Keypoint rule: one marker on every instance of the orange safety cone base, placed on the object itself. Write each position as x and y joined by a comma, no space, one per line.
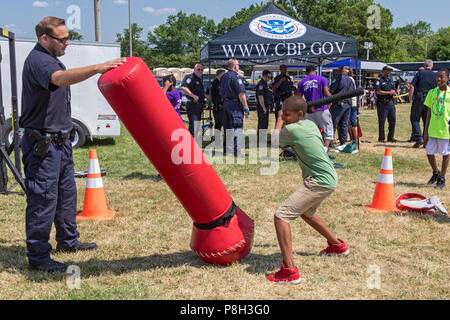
95,206
105,216
375,210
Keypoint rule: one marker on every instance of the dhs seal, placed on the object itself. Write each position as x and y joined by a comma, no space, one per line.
277,26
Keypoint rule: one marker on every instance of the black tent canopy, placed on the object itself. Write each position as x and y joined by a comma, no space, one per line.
272,36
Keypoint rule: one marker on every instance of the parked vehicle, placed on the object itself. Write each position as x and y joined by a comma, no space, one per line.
92,116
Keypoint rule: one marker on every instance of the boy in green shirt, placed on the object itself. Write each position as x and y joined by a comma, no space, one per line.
319,181
437,134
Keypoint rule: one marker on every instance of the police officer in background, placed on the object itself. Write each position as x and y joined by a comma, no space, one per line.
423,81
192,86
46,146
385,91
232,90
340,111
282,89
214,97
264,100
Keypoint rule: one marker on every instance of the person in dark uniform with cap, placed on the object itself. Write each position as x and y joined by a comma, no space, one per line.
232,90
385,91
192,86
264,103
340,111
423,81
282,89
213,95
46,145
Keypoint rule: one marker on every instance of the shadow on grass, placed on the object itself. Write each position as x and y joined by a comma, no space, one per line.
395,145
98,142
13,260
140,175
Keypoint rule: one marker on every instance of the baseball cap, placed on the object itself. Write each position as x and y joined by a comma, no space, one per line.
387,68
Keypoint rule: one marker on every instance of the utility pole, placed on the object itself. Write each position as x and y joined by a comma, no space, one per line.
129,28
98,36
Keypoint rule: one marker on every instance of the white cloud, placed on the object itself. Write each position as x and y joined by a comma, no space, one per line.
121,1
152,28
40,4
160,12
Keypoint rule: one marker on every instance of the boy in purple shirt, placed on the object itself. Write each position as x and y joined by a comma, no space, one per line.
173,95
314,87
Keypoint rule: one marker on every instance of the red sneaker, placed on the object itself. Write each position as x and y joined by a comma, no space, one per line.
336,249
285,275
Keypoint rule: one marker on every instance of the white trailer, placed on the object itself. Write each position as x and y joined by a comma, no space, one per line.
92,116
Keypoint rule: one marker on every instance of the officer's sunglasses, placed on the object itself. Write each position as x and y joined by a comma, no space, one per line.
62,40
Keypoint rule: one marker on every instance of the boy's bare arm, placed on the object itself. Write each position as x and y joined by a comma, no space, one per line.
276,131
425,130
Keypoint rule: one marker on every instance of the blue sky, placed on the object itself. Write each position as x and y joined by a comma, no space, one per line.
20,16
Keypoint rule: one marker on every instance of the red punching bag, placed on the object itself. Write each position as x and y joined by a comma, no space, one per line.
222,233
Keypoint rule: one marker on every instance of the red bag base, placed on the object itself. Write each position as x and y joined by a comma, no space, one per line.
226,244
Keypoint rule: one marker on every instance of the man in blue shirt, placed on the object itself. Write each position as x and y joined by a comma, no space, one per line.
340,111
282,89
46,146
192,86
385,91
232,90
423,81
264,102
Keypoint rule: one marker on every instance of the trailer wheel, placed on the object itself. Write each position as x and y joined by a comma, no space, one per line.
8,133
80,134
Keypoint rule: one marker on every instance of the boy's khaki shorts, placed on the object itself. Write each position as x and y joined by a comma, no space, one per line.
304,201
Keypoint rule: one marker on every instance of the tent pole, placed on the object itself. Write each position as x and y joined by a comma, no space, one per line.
357,105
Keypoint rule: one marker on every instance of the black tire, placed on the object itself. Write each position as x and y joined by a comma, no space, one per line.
80,134
8,133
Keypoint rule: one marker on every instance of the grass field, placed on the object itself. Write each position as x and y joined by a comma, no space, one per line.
144,252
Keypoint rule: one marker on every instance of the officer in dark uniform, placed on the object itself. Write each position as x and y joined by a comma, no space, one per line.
232,90
213,95
46,146
385,91
264,102
340,111
423,81
282,89
192,86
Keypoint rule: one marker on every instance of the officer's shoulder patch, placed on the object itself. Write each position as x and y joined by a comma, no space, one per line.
377,83
188,80
240,81
260,87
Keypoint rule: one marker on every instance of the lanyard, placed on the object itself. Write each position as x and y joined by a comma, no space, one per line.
440,102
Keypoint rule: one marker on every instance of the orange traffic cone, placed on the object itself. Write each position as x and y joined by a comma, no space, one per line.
383,198
95,207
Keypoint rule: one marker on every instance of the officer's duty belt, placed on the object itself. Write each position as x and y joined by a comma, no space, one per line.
231,99
58,138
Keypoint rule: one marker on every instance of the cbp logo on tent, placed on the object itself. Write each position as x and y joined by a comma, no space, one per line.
276,26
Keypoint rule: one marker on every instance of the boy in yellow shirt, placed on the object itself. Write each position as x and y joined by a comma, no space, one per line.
437,133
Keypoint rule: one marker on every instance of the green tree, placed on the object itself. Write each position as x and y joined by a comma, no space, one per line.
228,24
412,38
348,18
140,47
440,46
182,34
73,35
